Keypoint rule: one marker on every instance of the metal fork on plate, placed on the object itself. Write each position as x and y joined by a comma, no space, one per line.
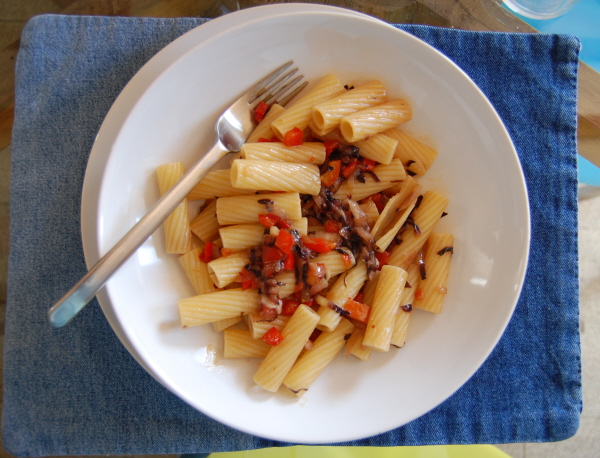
234,126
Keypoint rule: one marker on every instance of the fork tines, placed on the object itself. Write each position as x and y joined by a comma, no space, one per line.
277,89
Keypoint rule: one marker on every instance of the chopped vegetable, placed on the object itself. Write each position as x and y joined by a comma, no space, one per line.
210,252
289,306
332,173
293,137
272,254
248,280
419,295
382,258
290,262
367,165
285,241
332,226
260,111
358,310
330,146
350,168
318,245
273,337
269,219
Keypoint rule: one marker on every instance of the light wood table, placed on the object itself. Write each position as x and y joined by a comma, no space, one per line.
462,14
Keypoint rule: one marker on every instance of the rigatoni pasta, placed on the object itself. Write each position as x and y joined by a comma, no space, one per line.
310,246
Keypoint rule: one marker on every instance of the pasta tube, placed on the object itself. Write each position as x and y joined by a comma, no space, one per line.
263,130
425,217
405,311
258,326
206,225
378,333
327,115
432,289
238,343
216,184
346,286
227,268
281,358
245,209
300,113
276,176
362,124
178,236
378,147
416,156
313,361
216,306
308,152
388,175
196,271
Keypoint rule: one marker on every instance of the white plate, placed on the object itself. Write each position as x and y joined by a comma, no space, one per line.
173,120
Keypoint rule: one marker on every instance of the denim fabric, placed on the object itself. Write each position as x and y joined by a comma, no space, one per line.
76,390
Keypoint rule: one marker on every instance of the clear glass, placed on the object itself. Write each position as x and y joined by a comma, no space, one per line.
540,9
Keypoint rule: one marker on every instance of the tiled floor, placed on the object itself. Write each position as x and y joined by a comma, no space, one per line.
586,443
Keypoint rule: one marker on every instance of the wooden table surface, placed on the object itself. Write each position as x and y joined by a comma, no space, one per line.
463,14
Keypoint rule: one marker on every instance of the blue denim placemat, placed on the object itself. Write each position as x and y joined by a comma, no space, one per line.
76,390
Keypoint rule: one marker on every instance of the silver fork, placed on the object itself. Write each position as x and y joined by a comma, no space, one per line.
234,126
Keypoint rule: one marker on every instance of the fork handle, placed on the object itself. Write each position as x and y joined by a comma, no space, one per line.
85,290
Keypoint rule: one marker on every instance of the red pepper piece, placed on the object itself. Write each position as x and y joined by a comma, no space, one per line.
378,201
273,337
272,254
330,146
419,295
347,261
249,280
260,111
350,168
318,245
358,310
285,241
293,137
382,258
208,254
332,226
290,262
367,165
332,173
289,306
268,220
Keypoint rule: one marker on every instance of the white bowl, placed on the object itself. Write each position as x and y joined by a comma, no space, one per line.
173,119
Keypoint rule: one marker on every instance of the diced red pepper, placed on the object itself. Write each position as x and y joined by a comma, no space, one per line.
266,140
332,226
359,297
260,111
268,220
367,165
226,251
293,137
378,200
249,280
347,261
208,254
419,295
272,254
358,310
273,336
350,168
382,258
289,306
331,146
332,173
285,223
285,241
290,262
318,245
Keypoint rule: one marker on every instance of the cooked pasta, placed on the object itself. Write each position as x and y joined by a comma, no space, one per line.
178,236
302,248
